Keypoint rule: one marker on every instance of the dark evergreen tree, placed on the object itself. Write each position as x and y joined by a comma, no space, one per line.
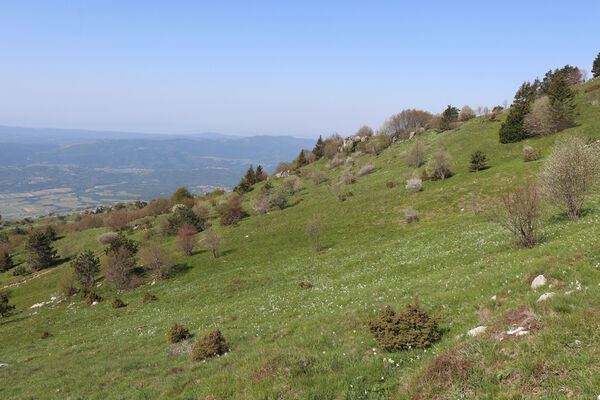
5,308
318,150
51,233
478,161
449,116
562,107
513,129
121,241
250,176
86,266
596,67
6,261
41,253
259,174
184,215
243,187
301,159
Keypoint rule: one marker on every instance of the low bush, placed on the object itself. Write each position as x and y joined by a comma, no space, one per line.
118,303
413,185
177,333
391,185
107,237
184,215
5,308
210,345
412,328
529,154
278,197
21,270
185,242
294,184
306,285
411,215
439,165
365,170
478,161
148,298
92,298
45,335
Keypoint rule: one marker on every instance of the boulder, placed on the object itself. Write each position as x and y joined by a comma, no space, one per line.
539,281
545,296
477,331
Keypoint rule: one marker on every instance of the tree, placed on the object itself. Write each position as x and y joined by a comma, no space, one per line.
439,165
466,114
513,129
561,97
184,215
118,220
301,159
449,116
86,266
250,176
539,121
519,212
185,240
570,174
364,131
478,161
6,261
213,241
318,149
399,124
118,267
416,154
5,308
41,253
596,67
260,175
120,241
180,195
156,260
313,231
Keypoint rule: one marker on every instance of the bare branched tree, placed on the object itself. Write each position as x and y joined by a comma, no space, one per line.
313,231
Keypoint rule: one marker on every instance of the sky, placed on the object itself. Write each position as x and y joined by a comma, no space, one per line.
299,68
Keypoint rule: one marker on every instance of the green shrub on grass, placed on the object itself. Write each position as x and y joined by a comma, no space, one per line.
118,303
92,297
149,297
46,335
177,333
210,345
408,329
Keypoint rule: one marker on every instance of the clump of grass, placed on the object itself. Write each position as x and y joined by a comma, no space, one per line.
411,328
92,297
210,345
149,297
306,285
118,303
45,335
177,333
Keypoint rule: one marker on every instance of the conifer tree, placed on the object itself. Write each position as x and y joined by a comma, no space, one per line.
259,174
250,176
513,129
86,266
41,253
318,150
6,261
561,97
301,160
449,115
596,67
5,308
478,161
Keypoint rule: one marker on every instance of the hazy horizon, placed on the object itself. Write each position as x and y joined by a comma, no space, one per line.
269,68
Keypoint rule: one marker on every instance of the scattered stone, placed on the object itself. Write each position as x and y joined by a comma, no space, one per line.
494,297
6,365
546,296
520,331
539,281
477,331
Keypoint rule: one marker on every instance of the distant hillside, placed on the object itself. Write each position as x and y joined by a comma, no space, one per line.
92,167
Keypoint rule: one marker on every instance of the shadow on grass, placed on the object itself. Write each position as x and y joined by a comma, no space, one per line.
181,269
563,217
10,321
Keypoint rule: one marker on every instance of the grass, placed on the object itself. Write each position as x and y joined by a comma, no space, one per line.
289,342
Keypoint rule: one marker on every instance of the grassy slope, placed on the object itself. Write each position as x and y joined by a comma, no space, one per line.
290,342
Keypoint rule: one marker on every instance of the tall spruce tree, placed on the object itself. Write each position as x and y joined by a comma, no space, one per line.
561,98
318,150
41,253
301,160
86,266
250,176
513,129
259,174
596,67
449,116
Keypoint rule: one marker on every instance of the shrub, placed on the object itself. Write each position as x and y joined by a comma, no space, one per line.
466,114
416,154
148,298
316,176
92,297
278,198
365,170
529,154
213,241
478,161
313,231
293,184
177,333
411,215
519,212
338,160
86,266
184,215
377,144
439,165
118,220
45,335
412,328
539,121
5,308
232,216
391,185
156,260
87,222
570,174
21,270
159,207
413,185
118,303
261,203
180,195
230,210
6,261
66,284
106,238
41,253
210,345
121,242
118,267
202,209
185,240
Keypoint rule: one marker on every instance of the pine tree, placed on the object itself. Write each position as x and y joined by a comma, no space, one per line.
449,115
513,129
5,308
596,67
561,97
318,150
6,261
86,266
259,174
41,253
478,161
250,176
301,160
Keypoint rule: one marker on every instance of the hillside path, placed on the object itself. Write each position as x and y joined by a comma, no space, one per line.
22,281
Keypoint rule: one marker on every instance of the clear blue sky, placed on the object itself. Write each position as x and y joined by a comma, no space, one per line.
295,68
